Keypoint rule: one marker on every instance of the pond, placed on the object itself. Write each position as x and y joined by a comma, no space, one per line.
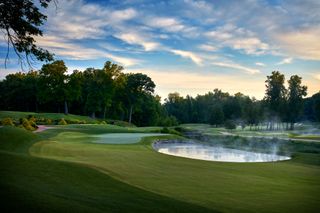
212,153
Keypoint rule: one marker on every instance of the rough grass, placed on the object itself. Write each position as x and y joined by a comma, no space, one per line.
291,186
54,116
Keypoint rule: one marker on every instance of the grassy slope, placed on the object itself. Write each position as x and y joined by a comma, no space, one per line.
54,116
291,186
35,184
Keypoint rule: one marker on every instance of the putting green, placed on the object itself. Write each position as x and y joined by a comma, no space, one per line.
122,138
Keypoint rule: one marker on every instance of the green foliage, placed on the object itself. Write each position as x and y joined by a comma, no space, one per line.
7,122
216,116
62,122
168,121
295,99
164,130
228,124
108,92
20,21
167,130
120,123
28,125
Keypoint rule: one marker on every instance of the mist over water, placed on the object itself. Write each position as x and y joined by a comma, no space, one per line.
211,153
224,148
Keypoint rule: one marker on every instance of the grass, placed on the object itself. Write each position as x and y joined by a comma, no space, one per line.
302,133
54,116
134,177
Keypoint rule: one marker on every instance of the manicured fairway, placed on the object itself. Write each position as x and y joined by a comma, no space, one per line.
291,186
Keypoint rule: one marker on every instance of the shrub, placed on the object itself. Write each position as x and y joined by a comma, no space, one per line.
103,122
7,122
82,122
48,121
168,121
62,122
230,124
27,124
32,118
164,130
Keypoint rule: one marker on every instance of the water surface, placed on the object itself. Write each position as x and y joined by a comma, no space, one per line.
211,153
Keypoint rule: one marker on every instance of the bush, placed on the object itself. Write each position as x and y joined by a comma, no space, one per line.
164,130
103,122
168,121
27,124
32,118
62,122
230,124
7,122
48,121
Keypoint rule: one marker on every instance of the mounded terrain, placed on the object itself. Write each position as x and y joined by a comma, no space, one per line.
61,168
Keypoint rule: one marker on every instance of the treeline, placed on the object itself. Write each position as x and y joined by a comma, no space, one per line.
111,93
104,93
280,108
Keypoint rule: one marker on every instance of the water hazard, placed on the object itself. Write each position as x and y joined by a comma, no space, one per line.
212,153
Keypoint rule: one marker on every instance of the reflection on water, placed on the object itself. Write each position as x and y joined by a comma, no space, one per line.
210,153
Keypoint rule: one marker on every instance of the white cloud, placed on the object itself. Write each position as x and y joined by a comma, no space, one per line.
249,45
137,39
76,19
260,64
237,66
285,61
187,54
165,23
304,43
208,47
238,38
123,15
66,48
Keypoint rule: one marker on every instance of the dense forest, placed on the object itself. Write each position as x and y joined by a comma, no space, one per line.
111,93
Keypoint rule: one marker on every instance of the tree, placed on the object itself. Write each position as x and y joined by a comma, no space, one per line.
216,116
136,86
295,99
275,95
74,84
20,20
53,84
94,80
111,73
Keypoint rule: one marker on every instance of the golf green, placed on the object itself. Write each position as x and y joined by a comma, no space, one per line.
290,186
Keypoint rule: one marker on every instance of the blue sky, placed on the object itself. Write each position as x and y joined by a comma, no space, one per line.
188,46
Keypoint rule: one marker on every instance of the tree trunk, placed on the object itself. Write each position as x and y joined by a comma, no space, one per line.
66,111
93,115
130,114
292,126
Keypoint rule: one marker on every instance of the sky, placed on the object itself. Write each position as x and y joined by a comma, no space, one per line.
187,46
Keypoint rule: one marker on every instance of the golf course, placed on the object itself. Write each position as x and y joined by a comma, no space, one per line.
108,168
170,106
